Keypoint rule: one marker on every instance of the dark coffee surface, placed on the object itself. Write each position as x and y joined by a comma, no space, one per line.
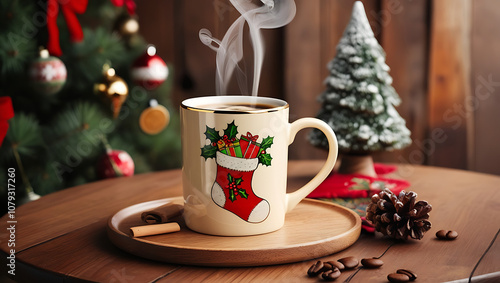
237,106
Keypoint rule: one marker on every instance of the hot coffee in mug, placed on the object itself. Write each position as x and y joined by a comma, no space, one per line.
238,107
235,155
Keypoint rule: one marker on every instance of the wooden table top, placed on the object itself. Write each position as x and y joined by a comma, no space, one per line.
62,236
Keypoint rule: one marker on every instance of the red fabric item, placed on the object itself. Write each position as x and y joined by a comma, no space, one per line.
6,110
6,113
129,3
69,9
357,186
382,169
4,127
367,226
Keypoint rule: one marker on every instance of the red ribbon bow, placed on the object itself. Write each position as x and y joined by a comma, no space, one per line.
226,140
6,113
251,137
69,9
129,3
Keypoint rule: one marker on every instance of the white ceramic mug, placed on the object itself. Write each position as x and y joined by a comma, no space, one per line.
235,164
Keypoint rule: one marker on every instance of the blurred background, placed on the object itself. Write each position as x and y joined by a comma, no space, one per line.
443,56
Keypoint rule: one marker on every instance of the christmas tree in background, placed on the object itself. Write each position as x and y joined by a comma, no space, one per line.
359,101
97,88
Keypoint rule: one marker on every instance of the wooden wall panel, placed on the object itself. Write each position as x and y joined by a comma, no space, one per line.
303,70
449,85
405,39
192,55
485,102
272,82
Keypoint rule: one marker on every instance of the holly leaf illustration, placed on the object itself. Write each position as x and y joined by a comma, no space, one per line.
243,193
208,151
266,143
231,130
265,159
232,196
238,181
212,134
230,178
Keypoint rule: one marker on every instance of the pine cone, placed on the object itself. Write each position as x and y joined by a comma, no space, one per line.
400,216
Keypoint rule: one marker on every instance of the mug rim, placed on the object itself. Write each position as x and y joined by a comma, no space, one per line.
196,103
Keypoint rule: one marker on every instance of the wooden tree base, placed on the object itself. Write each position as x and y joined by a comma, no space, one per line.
357,164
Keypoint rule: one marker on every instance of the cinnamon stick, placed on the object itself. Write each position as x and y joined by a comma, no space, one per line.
156,229
162,214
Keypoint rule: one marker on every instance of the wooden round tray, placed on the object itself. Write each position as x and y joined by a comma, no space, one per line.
312,229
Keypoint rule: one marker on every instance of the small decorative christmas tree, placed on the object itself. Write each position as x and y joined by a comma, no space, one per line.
359,100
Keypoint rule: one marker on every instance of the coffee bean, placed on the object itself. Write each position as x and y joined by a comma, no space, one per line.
336,264
446,235
372,262
315,269
441,234
410,273
451,235
398,277
327,266
349,262
331,274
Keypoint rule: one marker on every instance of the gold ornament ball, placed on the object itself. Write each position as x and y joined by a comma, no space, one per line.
127,25
112,89
154,119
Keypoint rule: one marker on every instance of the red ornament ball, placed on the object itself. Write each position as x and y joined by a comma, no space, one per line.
124,165
149,70
47,74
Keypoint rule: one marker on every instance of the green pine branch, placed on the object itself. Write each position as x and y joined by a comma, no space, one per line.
24,135
15,53
17,47
76,132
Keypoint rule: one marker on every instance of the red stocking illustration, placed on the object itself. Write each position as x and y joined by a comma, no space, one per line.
232,189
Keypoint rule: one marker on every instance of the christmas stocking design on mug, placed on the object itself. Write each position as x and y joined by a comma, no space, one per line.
232,189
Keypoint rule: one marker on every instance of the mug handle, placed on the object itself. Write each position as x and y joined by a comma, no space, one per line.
292,199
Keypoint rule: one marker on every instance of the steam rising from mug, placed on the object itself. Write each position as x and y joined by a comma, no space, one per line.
273,14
